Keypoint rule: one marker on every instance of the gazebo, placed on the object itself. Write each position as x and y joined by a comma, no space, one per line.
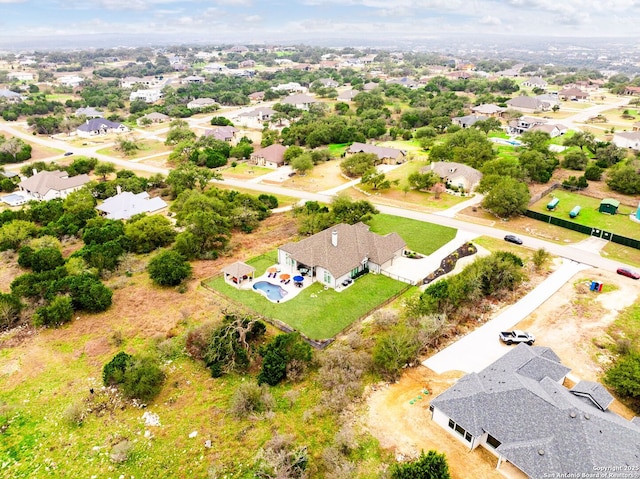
238,272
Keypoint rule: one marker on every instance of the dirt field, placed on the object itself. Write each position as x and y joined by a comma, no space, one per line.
568,323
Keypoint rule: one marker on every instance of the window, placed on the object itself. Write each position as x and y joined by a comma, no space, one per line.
327,278
492,441
452,424
460,430
468,436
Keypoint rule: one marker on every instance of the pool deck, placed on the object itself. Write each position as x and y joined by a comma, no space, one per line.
291,289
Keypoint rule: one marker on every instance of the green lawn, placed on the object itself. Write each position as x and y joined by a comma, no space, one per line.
420,236
337,149
316,312
589,215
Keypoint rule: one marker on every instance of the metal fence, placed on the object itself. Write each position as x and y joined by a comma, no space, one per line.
588,230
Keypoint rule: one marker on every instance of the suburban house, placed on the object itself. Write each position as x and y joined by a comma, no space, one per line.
200,103
552,130
10,96
89,112
573,94
72,81
148,81
632,90
524,123
100,126
290,87
328,83
535,82
488,109
388,156
47,185
456,174
347,95
125,204
255,118
404,81
627,139
223,133
340,253
153,117
20,76
256,96
518,409
300,101
150,95
467,121
370,86
214,68
192,79
272,156
528,104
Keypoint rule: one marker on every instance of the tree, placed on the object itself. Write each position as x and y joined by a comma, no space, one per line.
537,166
46,259
127,145
376,179
575,160
488,125
428,466
179,131
188,177
169,268
14,233
624,376
103,169
581,139
395,348
87,292
423,181
625,178
355,165
292,152
438,189
346,210
279,353
113,371
302,163
147,233
507,198
609,155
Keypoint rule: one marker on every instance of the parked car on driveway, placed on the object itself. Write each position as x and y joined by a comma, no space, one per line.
517,336
68,153
628,273
513,239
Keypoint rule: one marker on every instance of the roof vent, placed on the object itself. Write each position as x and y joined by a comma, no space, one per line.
572,414
587,417
541,452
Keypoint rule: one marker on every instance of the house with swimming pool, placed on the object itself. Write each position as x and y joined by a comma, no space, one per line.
338,254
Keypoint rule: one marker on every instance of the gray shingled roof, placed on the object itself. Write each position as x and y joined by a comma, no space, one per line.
355,243
543,427
447,169
97,124
595,392
526,102
298,99
127,204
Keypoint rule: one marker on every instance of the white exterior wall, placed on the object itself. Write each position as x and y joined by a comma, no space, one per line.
442,420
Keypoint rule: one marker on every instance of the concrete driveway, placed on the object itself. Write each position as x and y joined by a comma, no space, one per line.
478,349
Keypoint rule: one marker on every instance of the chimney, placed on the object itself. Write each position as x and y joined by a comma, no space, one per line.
334,238
34,171
118,189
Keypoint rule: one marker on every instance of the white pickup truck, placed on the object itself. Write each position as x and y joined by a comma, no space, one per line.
517,336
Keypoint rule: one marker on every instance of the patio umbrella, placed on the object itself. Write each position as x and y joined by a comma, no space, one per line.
273,269
285,276
298,279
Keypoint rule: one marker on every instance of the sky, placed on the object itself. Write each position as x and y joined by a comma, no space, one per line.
306,20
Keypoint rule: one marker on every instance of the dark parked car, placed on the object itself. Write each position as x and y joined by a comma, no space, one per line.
68,153
513,239
628,273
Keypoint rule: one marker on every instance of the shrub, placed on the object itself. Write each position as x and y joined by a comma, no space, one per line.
540,258
394,349
250,398
143,379
56,313
276,355
10,307
113,371
428,466
593,173
74,414
169,268
624,376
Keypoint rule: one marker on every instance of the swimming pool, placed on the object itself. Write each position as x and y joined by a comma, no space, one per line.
14,199
271,291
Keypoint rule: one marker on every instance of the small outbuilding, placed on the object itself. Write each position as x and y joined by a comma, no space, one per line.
609,206
238,272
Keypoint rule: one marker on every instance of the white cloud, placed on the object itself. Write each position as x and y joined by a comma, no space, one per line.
253,18
490,20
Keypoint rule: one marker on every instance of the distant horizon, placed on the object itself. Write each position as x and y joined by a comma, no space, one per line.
72,24
437,42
